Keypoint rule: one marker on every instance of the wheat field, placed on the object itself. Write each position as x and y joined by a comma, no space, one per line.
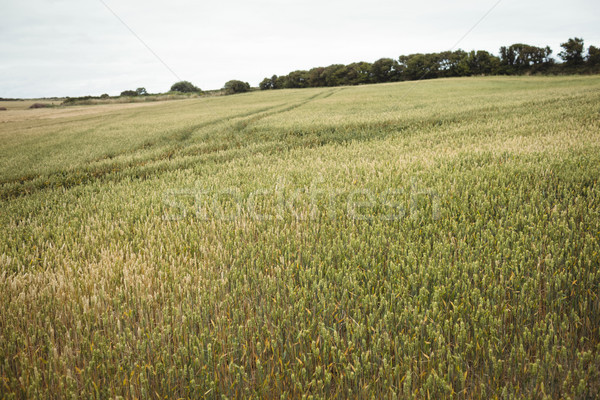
433,239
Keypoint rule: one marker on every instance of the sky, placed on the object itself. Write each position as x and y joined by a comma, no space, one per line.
58,48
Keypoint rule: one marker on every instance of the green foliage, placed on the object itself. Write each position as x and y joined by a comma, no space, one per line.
519,58
184,87
516,59
296,79
420,66
119,279
593,57
482,63
129,93
273,82
266,84
358,73
234,86
334,75
572,52
385,70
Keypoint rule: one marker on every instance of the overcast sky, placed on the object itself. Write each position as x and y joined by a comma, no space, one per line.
78,47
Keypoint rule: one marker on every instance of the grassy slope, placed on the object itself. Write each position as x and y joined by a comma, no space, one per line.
485,284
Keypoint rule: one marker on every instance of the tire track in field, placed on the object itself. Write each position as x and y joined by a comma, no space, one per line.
245,120
30,184
178,135
244,124
216,153
182,134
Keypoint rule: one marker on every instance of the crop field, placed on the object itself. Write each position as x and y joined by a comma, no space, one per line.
433,239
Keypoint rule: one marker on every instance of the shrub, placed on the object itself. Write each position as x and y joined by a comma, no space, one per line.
184,87
40,105
235,86
129,93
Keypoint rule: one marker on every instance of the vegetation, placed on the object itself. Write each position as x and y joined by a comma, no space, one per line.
516,59
430,240
130,93
593,57
105,99
184,87
83,100
138,92
40,105
573,52
235,86
20,104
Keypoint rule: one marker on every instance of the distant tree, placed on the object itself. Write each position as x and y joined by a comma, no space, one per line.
519,57
184,87
266,84
274,82
385,70
482,63
453,63
129,93
593,57
335,75
420,66
278,81
104,96
316,77
235,86
141,91
572,52
295,79
358,73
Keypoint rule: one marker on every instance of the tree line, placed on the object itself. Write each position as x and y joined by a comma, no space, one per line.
231,87
516,59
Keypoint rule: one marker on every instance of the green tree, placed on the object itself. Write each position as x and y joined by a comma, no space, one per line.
335,75
385,70
593,57
482,63
273,82
420,66
141,91
453,63
235,86
316,77
129,93
295,79
572,52
359,73
184,87
265,84
520,57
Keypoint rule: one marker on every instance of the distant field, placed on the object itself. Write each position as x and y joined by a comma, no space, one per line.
434,239
12,105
